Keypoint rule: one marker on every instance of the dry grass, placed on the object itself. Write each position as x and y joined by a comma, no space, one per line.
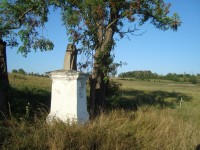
21,81
148,128
161,130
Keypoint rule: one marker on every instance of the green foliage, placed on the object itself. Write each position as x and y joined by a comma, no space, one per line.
139,75
20,71
27,17
14,71
147,75
173,77
193,79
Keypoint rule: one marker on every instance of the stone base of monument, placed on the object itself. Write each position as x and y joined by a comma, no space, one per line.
68,97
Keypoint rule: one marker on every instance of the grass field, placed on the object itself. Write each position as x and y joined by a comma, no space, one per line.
167,94
144,115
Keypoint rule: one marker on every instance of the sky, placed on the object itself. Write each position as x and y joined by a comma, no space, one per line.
160,51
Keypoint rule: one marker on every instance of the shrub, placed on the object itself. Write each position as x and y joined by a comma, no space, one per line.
193,80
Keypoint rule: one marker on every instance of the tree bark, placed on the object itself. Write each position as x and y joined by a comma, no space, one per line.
97,81
97,93
4,83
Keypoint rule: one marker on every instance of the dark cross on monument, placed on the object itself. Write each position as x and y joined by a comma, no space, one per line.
70,58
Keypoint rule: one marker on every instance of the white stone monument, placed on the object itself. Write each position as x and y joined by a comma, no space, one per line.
68,95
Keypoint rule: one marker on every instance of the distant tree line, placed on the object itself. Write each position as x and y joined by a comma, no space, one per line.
21,71
147,75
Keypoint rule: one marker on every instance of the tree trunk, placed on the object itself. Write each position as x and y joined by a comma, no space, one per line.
92,96
4,83
94,88
97,93
97,81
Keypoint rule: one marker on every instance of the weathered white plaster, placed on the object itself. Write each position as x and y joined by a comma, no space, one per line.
68,97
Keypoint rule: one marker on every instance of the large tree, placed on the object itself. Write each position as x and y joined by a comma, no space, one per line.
94,23
20,18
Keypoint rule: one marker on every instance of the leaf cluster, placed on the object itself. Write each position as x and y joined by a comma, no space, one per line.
24,18
82,18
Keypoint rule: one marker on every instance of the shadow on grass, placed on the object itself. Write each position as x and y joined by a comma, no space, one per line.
27,102
131,99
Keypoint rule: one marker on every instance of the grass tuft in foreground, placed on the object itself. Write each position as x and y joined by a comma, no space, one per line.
148,128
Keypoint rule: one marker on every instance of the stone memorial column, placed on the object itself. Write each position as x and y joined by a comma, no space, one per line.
68,95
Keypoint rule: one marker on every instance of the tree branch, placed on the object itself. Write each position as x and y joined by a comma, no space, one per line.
20,20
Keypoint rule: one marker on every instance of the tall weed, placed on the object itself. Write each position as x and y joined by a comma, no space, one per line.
148,128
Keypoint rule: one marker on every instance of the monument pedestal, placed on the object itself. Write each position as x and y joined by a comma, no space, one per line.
68,97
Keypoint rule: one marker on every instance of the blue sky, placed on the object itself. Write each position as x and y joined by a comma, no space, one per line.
161,52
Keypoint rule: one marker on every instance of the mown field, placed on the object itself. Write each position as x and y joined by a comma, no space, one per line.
141,115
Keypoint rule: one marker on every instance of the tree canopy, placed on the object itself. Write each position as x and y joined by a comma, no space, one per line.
23,18
89,21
